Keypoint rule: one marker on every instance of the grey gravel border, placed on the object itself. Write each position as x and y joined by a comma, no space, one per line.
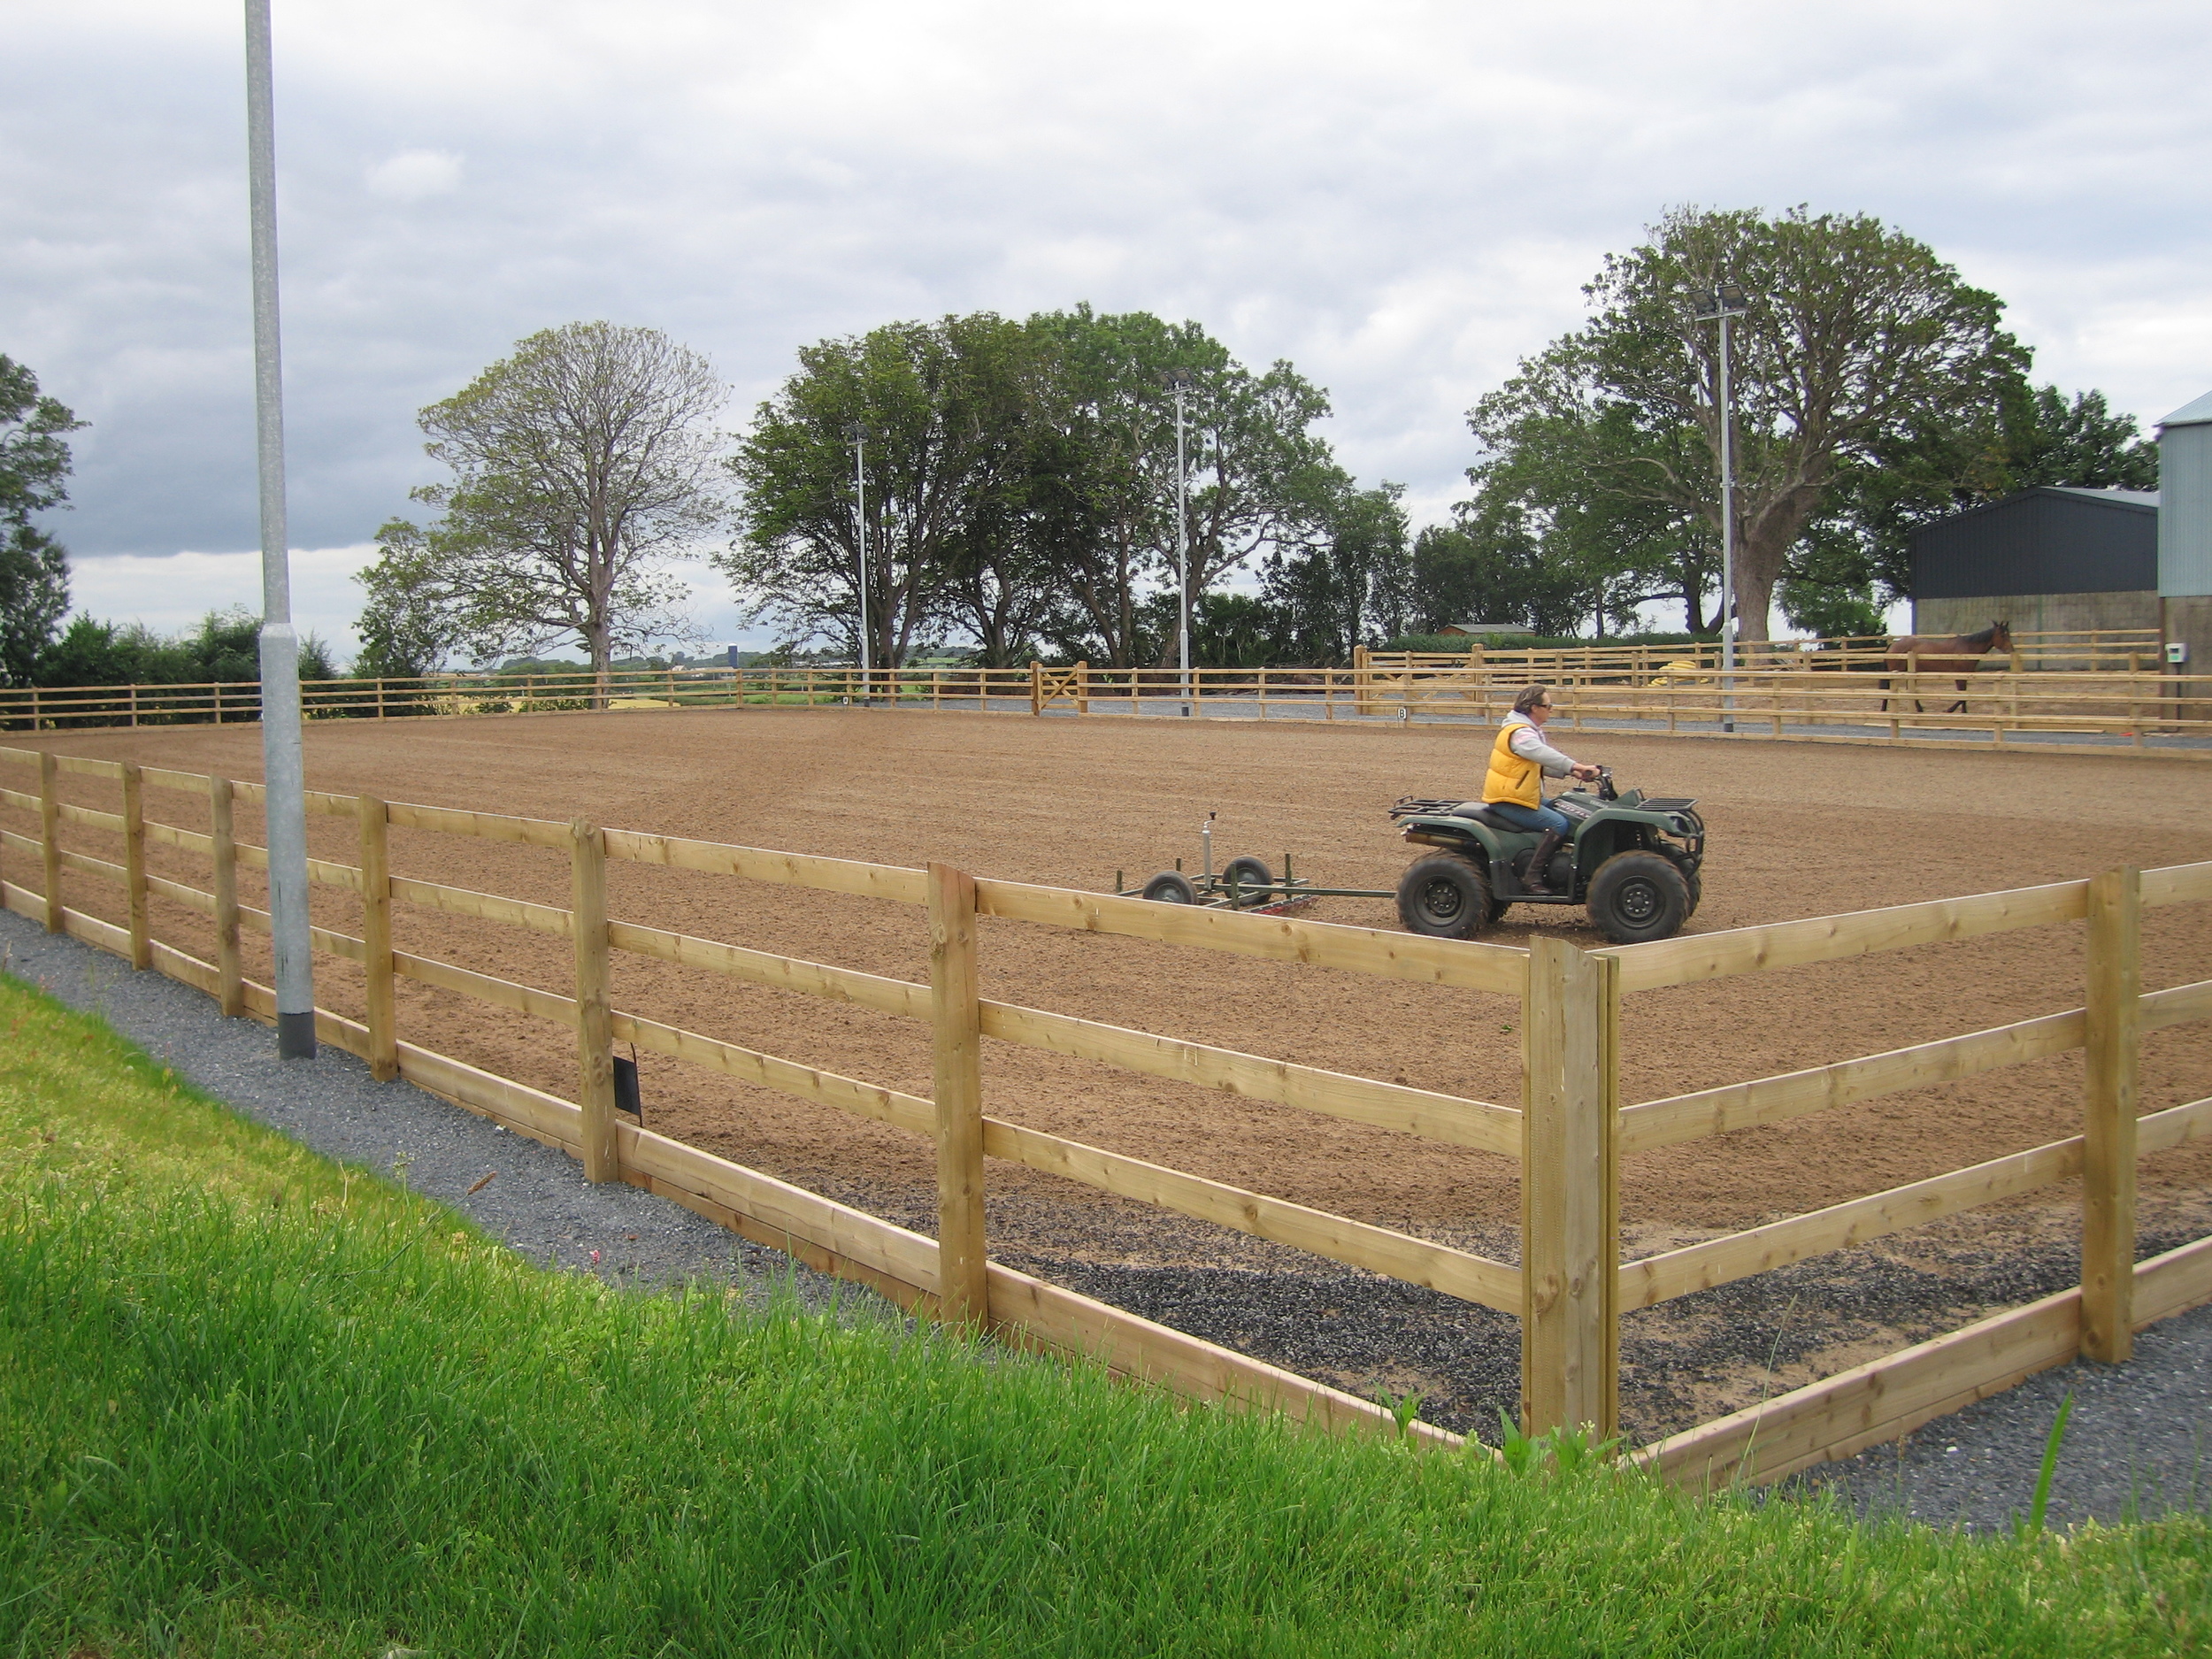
2139,1443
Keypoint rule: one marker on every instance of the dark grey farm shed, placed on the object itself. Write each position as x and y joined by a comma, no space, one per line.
2051,540
2053,560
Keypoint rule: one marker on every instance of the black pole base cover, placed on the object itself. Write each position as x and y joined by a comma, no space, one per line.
627,1097
295,1036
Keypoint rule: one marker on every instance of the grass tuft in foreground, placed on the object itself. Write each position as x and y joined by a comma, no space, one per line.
250,1403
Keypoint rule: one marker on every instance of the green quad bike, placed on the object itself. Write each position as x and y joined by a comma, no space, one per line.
1631,859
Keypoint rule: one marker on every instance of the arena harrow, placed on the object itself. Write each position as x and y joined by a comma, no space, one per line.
1245,883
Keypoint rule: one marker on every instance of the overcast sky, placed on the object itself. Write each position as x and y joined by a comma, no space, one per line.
1402,199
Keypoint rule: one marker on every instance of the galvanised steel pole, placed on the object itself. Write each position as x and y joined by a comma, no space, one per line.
860,499
281,764
1182,546
1727,535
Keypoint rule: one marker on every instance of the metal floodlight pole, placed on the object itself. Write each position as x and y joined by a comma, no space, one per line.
1726,302
1180,379
282,766
860,507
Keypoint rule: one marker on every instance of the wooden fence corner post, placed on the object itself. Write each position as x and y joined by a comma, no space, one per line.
963,1277
1570,1204
134,863
230,980
1083,688
1036,688
595,1036
2114,1021
50,834
376,937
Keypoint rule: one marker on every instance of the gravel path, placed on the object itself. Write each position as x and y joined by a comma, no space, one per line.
2138,1443
2140,1439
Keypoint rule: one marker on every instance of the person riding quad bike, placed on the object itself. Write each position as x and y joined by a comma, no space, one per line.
1514,787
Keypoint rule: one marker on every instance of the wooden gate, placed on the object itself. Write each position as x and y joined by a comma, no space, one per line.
1048,685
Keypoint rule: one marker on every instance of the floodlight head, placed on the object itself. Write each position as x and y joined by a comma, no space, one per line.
1176,377
1732,296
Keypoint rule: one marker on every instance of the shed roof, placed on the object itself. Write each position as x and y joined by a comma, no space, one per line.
2118,497
2196,414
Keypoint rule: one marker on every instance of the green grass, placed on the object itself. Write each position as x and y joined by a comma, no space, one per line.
251,1402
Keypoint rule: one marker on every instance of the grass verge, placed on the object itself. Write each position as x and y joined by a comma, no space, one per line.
253,1403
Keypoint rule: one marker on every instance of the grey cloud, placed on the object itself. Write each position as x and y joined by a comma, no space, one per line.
1402,201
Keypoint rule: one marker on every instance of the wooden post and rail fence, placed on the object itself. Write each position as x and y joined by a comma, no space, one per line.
2099,690
1569,1132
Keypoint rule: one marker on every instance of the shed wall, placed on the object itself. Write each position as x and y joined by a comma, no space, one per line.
2185,519
2040,613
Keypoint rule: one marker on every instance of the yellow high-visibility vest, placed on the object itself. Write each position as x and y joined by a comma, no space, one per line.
1511,777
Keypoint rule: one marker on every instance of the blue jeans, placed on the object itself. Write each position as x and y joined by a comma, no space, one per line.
1537,818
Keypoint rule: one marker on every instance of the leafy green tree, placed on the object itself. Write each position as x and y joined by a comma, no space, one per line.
1348,589
1550,478
940,413
1490,566
34,464
1260,480
1858,342
2079,442
410,623
582,465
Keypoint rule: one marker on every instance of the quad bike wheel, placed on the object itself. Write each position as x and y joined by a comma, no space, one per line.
1636,896
1170,887
1248,875
1690,881
1444,896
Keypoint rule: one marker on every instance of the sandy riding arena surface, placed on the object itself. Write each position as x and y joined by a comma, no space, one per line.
1796,831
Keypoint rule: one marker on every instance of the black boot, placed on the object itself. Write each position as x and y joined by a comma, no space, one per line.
1537,877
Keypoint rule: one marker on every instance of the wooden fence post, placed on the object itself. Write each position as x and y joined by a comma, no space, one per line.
1360,676
1036,688
230,986
2114,1033
1570,1191
962,1278
134,863
1083,688
594,1038
376,937
50,835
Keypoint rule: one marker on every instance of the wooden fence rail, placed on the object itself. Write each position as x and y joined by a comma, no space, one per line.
1567,1135
2101,687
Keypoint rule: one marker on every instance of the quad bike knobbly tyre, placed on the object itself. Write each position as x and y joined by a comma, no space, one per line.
1690,880
1170,887
1445,896
1636,896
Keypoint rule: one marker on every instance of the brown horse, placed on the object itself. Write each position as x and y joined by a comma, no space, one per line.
1944,654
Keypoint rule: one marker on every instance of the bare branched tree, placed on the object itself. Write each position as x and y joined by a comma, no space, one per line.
582,465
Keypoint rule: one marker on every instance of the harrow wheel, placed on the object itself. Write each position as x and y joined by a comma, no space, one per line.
1170,887
1249,874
